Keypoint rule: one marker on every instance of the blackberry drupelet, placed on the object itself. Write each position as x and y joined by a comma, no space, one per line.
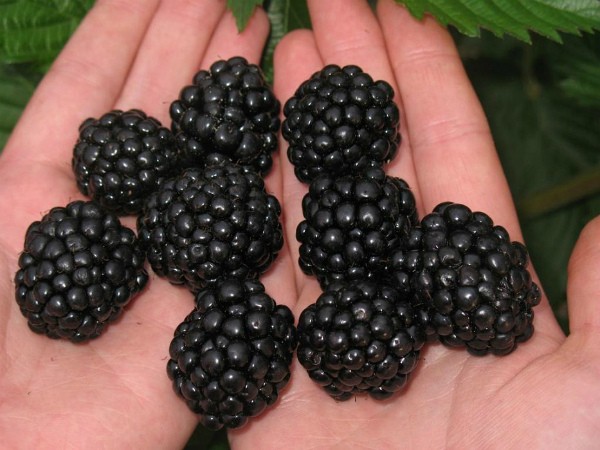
122,157
231,356
78,269
360,337
352,224
228,109
210,223
469,279
340,122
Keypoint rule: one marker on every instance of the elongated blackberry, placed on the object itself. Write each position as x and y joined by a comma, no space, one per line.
211,223
358,338
228,109
120,158
78,269
340,122
470,280
230,358
352,224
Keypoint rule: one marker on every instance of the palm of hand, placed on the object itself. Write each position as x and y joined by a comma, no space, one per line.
453,400
78,393
106,392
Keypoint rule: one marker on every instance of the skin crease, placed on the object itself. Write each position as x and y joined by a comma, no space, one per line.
113,392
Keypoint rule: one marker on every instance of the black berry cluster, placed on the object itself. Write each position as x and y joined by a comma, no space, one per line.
470,280
231,356
78,269
390,281
211,223
360,338
352,224
121,158
340,121
229,110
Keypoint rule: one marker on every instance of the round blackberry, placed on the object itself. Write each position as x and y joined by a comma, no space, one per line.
228,109
360,338
78,269
230,358
122,157
469,279
211,223
352,224
340,122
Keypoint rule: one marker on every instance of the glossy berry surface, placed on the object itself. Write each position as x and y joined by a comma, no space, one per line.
230,358
78,269
469,279
360,338
228,109
211,223
352,224
339,122
121,157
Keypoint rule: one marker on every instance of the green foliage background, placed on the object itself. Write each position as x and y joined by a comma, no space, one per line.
535,65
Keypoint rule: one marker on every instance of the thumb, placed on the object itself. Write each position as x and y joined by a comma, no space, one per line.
583,286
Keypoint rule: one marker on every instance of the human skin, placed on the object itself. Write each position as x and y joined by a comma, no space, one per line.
113,392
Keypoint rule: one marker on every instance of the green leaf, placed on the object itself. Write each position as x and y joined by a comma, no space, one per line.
242,11
513,17
36,30
580,67
15,91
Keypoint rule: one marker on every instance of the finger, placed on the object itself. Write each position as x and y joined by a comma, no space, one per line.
455,157
228,42
84,81
296,58
583,288
171,53
347,32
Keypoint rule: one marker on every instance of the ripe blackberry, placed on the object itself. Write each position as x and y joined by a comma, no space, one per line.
78,269
360,338
228,109
352,224
231,356
122,157
211,223
470,280
339,122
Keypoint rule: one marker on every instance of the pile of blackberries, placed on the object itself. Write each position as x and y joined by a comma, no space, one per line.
390,282
205,221
214,229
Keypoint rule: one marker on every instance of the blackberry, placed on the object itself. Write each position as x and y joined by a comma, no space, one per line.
122,157
352,224
469,279
228,109
360,338
339,122
78,269
231,356
210,223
